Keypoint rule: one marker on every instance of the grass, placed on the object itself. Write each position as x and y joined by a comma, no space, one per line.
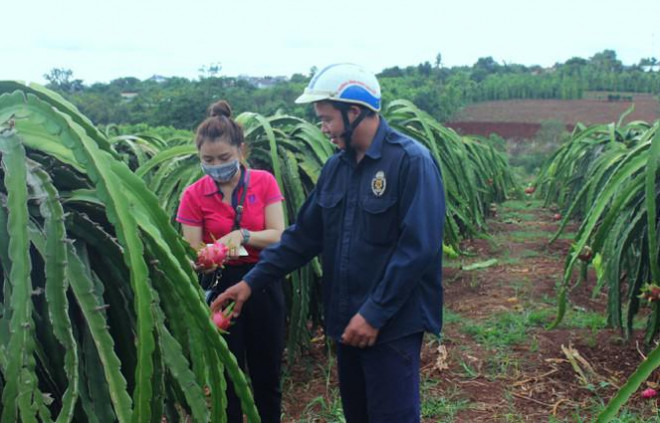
325,409
510,261
521,287
574,318
443,406
647,413
443,409
511,416
504,258
502,365
518,216
468,370
523,234
524,204
501,330
505,329
449,317
528,235
452,263
530,254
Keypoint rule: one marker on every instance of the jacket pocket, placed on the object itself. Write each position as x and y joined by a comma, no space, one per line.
330,204
379,220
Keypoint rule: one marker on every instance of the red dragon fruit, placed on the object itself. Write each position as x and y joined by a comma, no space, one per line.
649,393
212,255
222,318
650,292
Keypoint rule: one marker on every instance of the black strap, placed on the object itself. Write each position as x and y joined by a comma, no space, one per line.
350,127
239,207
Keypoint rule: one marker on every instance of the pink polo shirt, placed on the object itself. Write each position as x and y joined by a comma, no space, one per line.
201,205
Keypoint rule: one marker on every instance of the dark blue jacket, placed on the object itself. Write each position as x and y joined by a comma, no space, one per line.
379,227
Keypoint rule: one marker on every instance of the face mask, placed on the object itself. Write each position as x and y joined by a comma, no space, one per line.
223,172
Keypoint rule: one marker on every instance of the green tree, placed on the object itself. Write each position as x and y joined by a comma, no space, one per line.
62,80
438,60
606,61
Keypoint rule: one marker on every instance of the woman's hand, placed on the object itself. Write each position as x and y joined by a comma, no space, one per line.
233,240
198,268
205,270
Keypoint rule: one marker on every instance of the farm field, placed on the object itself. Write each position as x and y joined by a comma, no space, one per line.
116,276
521,119
498,362
144,171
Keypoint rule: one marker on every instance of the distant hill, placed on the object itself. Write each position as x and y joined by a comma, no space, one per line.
436,89
521,119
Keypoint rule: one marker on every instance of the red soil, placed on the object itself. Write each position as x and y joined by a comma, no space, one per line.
521,119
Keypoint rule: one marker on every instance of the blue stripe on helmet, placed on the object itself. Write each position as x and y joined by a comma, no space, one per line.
356,92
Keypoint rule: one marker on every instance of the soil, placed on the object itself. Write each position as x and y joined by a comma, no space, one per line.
587,111
534,379
521,119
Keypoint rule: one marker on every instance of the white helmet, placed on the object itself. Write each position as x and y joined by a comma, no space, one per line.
344,82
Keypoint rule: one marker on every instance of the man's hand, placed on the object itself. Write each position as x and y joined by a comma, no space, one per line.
359,333
239,293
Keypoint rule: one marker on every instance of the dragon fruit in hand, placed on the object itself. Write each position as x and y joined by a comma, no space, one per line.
212,255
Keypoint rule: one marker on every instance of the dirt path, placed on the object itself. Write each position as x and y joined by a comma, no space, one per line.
496,361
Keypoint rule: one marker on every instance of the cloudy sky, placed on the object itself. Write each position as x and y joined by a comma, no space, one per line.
101,41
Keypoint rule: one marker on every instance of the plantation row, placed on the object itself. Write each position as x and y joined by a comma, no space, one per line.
606,176
101,316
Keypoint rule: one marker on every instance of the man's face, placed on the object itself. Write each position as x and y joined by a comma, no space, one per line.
332,123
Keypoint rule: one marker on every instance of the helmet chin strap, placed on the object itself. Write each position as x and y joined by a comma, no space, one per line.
347,135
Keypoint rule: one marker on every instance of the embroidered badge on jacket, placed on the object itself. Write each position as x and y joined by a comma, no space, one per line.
379,183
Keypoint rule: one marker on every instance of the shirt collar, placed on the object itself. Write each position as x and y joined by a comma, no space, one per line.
209,187
376,146
374,150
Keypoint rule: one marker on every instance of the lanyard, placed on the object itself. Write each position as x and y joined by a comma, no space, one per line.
239,206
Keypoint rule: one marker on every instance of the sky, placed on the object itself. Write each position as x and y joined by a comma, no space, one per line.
102,41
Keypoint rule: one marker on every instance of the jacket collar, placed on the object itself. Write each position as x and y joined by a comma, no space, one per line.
376,147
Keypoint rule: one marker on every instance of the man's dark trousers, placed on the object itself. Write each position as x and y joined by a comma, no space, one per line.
380,384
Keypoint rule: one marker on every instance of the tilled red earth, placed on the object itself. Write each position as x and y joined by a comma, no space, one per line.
587,111
521,119
560,374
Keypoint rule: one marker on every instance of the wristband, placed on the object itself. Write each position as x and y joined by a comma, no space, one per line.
246,236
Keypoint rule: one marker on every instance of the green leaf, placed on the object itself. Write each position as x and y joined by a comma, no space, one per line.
55,256
92,309
651,198
109,188
480,265
21,380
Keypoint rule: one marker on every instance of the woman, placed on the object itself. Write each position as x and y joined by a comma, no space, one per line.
210,210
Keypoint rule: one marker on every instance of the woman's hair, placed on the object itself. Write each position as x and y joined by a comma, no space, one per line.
218,125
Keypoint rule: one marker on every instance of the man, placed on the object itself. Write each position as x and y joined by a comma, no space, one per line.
376,216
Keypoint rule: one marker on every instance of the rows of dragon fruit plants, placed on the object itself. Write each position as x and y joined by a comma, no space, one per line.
606,178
